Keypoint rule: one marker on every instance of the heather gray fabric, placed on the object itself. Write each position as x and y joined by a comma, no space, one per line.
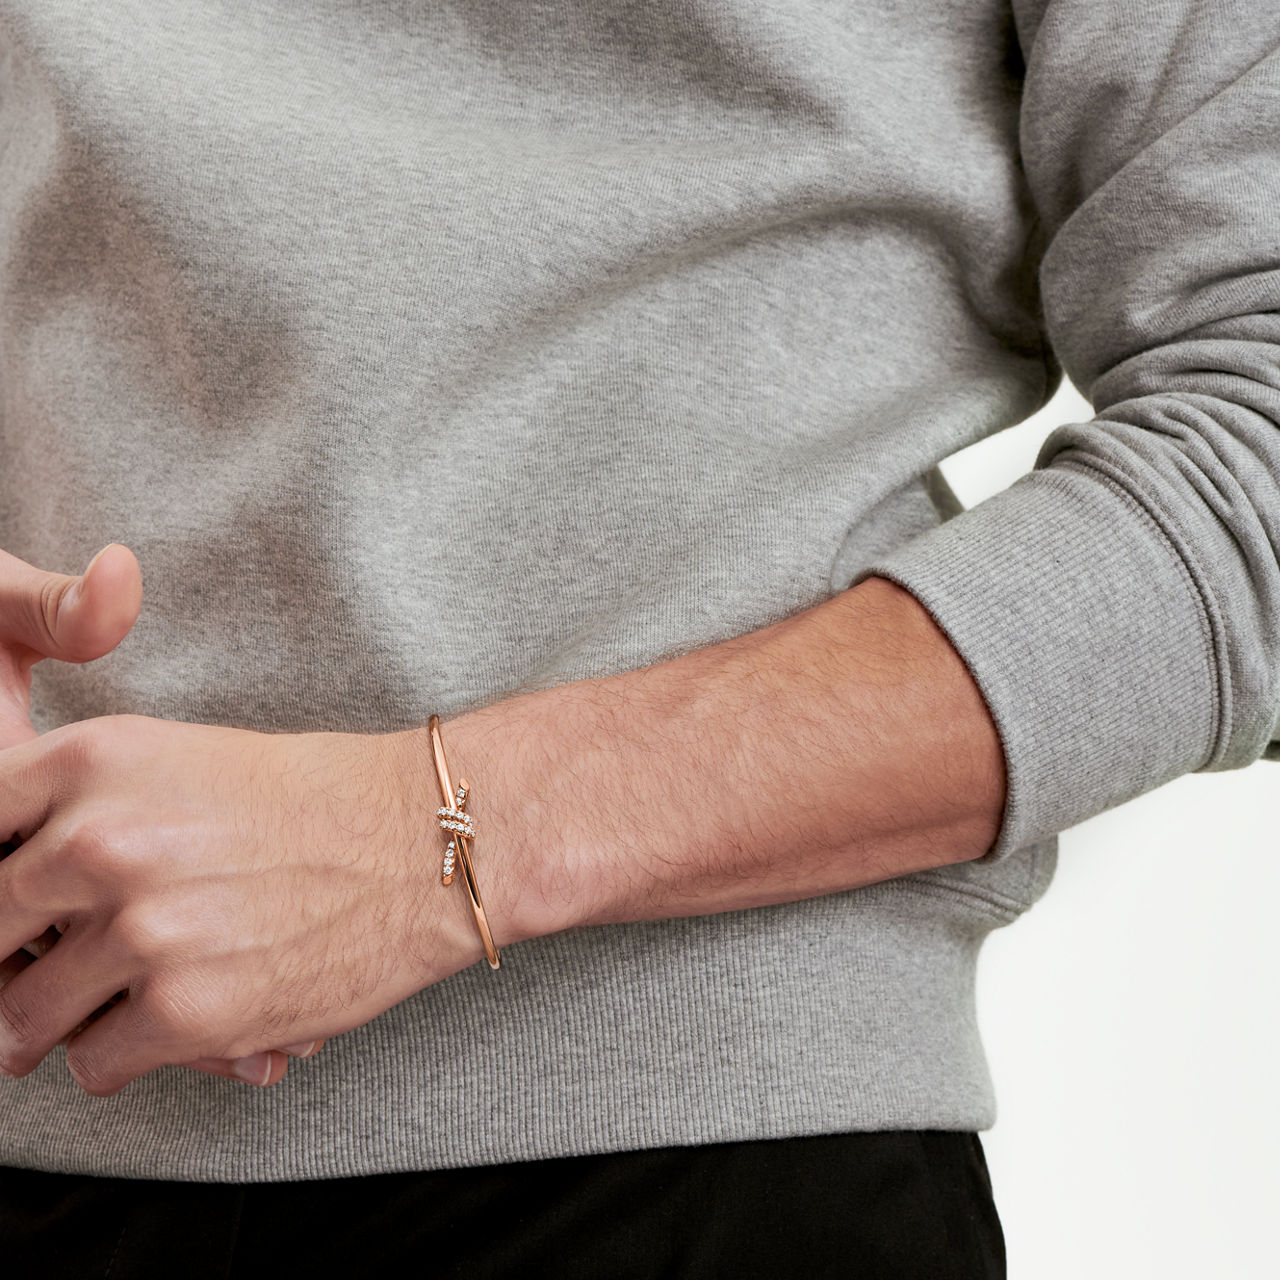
687,301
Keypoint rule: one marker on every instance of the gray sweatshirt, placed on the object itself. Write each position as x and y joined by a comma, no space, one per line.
689,299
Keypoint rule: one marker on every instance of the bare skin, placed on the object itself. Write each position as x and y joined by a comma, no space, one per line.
253,890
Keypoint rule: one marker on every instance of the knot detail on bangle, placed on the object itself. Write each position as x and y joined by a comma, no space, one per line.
453,818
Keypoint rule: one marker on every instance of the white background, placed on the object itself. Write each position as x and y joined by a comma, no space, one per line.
1129,1018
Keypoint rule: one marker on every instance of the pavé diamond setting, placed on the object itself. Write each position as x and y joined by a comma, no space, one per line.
454,818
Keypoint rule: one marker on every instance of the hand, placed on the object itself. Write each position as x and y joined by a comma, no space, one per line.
72,619
55,615
243,889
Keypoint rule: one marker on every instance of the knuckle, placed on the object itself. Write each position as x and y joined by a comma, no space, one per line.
22,1030
92,747
75,748
44,607
17,1021
143,932
24,886
106,848
93,1072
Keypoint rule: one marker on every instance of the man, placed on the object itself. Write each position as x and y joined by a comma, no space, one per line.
580,374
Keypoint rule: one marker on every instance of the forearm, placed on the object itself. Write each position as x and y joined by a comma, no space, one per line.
843,746
840,747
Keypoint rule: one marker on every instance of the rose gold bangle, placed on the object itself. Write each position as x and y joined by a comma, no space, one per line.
454,819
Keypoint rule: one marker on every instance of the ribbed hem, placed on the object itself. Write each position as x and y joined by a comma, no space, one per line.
1086,635
839,1014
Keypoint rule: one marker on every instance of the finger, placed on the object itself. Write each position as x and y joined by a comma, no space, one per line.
73,618
236,1069
32,900
13,965
260,1069
93,1017
27,791
307,1049
56,615
118,1048
40,1006
128,1042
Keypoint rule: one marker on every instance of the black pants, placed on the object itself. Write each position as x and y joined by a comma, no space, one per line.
894,1205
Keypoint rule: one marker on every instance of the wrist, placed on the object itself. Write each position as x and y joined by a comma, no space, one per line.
494,753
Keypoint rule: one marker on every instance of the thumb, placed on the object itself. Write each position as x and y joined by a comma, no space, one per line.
74,619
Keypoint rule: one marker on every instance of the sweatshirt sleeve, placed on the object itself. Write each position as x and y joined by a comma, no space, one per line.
1119,605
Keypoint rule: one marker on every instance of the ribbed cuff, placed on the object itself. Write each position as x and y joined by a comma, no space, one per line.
1085,634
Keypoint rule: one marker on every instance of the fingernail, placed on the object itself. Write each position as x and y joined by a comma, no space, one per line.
300,1050
95,559
253,1070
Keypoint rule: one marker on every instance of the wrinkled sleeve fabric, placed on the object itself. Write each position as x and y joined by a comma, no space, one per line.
1119,605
